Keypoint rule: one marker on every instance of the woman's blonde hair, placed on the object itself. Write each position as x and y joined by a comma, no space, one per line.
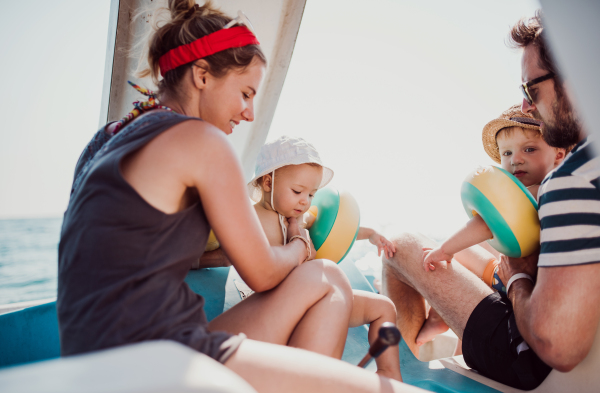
189,21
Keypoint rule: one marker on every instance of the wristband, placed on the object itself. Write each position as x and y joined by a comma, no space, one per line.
515,278
305,242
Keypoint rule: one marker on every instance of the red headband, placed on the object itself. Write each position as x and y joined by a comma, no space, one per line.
218,41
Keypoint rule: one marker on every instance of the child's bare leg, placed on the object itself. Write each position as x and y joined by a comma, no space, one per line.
434,325
275,368
376,309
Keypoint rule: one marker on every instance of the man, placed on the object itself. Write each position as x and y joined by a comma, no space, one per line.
550,316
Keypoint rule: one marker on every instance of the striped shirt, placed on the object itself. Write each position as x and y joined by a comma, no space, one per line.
569,210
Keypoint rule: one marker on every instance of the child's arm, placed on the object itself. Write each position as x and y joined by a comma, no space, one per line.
474,232
378,240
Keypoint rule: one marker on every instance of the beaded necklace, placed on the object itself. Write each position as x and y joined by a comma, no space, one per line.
140,107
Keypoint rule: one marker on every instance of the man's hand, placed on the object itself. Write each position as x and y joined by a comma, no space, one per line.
382,244
433,257
510,266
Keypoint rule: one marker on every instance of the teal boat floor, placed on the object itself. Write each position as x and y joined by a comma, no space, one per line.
31,334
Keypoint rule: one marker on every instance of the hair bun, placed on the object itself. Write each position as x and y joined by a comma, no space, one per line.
182,9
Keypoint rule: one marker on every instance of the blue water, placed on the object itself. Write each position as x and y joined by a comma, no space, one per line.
28,259
29,254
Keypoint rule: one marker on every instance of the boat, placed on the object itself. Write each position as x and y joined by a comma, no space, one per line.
29,342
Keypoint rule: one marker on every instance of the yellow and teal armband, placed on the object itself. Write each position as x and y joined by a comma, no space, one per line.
336,224
506,206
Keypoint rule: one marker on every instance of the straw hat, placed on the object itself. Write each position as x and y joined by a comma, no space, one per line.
282,152
512,117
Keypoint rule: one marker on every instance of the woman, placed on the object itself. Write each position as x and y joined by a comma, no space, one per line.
146,193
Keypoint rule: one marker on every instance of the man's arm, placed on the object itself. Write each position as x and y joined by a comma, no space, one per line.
558,318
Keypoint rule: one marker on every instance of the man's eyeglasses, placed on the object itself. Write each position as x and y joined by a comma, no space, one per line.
527,85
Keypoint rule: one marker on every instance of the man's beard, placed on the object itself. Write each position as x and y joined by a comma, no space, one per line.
564,130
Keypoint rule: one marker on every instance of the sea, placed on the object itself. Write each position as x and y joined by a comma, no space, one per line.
29,259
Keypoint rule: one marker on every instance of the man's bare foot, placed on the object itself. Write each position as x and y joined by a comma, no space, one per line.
390,374
434,325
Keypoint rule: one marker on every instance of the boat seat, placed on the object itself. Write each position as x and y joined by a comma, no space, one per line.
29,335
153,366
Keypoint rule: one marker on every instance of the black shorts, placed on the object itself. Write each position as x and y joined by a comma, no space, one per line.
493,346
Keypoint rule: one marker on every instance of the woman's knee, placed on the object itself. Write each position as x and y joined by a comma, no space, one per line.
331,277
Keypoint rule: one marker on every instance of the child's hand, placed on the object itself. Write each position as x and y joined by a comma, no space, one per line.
382,244
433,257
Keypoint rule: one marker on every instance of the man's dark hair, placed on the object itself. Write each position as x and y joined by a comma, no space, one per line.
530,31
564,130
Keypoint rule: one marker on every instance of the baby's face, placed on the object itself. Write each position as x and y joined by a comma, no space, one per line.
295,187
524,153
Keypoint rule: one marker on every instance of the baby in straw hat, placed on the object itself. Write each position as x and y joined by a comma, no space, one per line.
514,141
288,173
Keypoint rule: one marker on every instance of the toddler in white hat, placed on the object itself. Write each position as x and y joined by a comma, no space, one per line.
288,173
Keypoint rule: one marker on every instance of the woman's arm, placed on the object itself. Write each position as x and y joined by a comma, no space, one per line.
206,160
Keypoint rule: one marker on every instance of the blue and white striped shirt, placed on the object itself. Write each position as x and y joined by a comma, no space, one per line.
569,210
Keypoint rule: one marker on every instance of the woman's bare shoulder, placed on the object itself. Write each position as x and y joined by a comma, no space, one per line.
194,144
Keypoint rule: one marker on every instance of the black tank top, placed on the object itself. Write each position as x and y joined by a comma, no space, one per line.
122,263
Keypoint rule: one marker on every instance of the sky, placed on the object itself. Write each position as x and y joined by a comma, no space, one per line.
394,95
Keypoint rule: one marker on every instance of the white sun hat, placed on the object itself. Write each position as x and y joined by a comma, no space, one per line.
282,152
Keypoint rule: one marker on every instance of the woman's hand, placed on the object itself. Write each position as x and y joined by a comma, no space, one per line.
382,244
433,257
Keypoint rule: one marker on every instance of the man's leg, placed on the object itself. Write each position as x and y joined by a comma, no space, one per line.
411,309
453,292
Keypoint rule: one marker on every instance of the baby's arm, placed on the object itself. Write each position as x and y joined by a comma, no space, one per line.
474,232
378,240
